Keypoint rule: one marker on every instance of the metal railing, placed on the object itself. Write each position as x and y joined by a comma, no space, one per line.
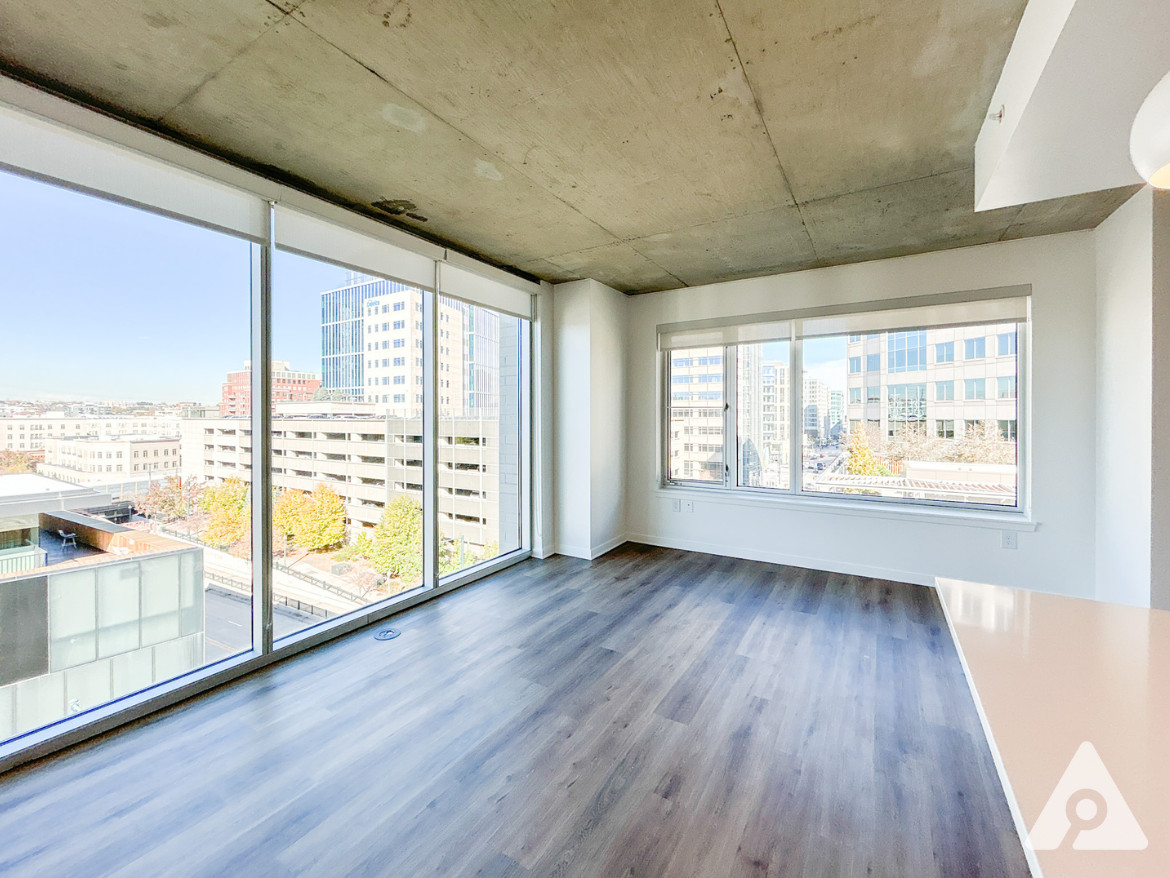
285,601
21,558
322,584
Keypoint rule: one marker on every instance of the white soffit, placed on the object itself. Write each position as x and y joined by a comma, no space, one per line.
1073,81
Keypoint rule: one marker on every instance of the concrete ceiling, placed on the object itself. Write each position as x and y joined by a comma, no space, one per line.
649,144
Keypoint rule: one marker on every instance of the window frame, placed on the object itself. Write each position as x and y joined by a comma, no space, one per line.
729,415
794,494
177,190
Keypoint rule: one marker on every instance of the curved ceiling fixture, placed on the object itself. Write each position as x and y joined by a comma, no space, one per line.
1149,139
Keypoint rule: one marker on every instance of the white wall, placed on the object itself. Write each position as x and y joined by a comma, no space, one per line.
1057,557
1124,250
543,426
607,427
1160,519
589,376
571,316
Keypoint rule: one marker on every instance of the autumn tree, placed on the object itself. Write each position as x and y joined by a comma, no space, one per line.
981,442
321,520
398,540
287,508
170,499
861,460
226,504
15,462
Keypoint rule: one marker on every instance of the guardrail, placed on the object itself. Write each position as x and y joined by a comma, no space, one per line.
284,568
22,558
320,583
246,588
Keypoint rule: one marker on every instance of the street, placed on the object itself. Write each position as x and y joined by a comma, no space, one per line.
229,623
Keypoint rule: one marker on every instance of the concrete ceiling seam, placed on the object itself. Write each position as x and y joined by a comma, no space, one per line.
764,122
462,133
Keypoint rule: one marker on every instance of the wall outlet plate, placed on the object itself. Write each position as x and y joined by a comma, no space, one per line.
676,505
1009,539
688,506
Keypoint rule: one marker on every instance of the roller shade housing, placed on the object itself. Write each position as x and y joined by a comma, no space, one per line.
82,161
312,236
468,286
971,308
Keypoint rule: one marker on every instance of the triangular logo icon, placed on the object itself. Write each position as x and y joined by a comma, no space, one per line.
1087,808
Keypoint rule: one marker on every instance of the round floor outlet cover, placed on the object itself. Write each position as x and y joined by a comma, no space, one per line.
387,634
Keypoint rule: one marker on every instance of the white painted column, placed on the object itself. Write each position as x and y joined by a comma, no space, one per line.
590,423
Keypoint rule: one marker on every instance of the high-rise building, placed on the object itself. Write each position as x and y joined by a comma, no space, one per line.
775,422
696,415
817,408
288,385
345,323
836,413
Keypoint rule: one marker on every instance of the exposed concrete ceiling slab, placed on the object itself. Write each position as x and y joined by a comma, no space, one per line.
107,49
645,143
768,242
636,113
618,265
864,93
377,137
1077,212
902,218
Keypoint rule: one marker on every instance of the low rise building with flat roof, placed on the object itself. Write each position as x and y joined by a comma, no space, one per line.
93,460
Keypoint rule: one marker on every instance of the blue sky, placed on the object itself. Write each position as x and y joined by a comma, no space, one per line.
106,302
824,358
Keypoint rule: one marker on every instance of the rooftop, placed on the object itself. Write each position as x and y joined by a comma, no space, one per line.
29,486
125,437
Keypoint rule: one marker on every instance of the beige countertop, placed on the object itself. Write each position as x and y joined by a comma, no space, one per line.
1050,673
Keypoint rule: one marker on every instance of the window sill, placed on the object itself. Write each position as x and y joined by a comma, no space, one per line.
993,520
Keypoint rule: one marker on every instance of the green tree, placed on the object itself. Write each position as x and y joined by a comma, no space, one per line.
229,518
453,556
321,522
861,460
362,547
398,540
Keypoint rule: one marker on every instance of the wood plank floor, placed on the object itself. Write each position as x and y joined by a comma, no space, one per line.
653,713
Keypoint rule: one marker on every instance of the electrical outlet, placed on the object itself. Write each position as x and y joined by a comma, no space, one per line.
676,505
689,506
1009,539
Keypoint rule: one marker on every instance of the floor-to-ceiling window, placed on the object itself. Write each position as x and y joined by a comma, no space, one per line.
124,519
347,438
224,421
479,396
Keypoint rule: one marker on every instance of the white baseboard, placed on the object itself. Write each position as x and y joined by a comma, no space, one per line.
751,553
591,552
608,546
